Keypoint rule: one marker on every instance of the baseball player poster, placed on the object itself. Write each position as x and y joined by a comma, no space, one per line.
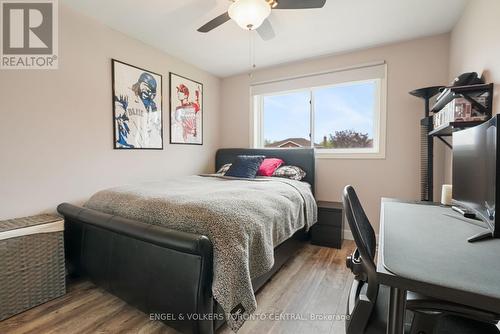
137,103
186,111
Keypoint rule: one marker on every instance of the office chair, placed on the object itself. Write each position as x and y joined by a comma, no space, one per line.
367,305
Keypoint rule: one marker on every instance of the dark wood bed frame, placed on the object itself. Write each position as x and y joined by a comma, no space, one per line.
158,270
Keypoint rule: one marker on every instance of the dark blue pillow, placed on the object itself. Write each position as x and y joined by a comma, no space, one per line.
245,166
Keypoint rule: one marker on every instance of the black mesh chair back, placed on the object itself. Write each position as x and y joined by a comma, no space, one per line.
365,288
363,263
362,230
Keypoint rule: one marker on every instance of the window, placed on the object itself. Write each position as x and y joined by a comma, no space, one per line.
344,119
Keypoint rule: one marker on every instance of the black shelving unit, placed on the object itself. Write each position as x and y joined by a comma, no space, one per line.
466,92
428,133
446,130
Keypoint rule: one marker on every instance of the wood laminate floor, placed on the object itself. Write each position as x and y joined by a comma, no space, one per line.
315,283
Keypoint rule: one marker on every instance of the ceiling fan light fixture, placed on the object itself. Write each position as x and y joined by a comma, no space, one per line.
249,14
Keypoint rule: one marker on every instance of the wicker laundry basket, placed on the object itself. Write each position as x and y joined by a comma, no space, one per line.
31,262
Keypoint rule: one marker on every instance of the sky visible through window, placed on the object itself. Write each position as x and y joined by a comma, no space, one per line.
337,108
286,116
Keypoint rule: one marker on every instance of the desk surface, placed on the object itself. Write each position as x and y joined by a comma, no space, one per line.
423,248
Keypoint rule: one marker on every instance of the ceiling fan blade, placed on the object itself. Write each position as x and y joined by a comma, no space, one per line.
300,4
221,19
266,31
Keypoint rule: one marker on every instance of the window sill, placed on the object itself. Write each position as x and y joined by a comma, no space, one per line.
350,155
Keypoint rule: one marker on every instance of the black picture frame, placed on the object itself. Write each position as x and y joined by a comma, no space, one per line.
113,94
171,88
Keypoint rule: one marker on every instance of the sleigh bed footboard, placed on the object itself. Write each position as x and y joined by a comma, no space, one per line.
163,272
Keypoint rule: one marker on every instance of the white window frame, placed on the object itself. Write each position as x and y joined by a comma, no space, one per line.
380,118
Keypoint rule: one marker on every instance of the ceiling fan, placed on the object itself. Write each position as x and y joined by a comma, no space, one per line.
253,14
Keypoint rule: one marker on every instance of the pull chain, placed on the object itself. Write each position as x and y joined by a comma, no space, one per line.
251,49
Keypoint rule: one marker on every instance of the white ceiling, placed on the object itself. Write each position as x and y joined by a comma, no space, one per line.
340,26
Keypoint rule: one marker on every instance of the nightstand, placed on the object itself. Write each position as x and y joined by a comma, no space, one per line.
329,230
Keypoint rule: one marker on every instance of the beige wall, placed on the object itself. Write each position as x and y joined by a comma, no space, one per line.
56,126
475,47
411,65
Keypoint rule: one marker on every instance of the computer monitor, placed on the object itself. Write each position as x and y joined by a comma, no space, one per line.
475,182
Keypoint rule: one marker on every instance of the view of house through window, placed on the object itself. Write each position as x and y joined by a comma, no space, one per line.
335,118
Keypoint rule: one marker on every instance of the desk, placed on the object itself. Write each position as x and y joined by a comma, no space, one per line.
423,248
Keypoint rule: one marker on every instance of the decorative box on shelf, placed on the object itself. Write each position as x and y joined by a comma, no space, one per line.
329,230
32,267
459,110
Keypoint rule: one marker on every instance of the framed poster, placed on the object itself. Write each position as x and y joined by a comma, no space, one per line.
186,111
137,107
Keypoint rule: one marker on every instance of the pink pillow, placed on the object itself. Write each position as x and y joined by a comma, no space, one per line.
268,166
